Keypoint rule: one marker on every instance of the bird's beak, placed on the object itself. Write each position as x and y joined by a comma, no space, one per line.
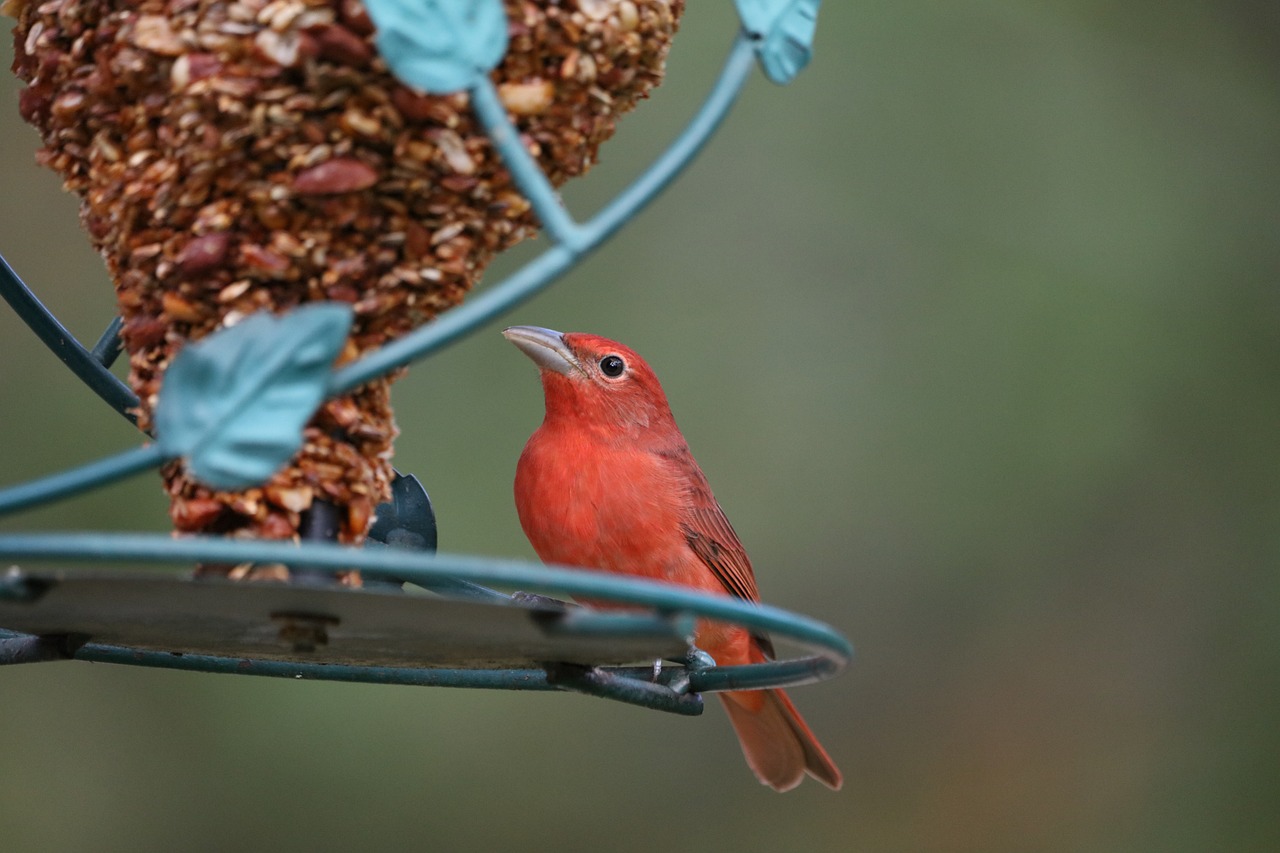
546,347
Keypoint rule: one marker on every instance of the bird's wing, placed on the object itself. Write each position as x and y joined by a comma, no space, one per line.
711,537
709,532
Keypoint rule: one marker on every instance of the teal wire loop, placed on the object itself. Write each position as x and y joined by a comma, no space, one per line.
424,569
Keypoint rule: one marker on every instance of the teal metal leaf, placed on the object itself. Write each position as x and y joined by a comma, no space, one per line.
440,46
235,403
783,30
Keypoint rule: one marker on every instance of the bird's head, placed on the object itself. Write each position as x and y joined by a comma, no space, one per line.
594,380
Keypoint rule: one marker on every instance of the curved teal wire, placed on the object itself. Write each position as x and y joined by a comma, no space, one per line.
425,569
539,273
92,475
63,344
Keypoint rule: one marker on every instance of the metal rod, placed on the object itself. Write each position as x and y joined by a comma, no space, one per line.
493,679
525,171
100,473
64,345
25,648
108,347
620,684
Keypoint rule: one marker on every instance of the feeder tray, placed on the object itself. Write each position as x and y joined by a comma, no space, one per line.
307,624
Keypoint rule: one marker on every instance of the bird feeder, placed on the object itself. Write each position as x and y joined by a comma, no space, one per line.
294,199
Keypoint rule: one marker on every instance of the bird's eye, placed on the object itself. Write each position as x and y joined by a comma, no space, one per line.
612,366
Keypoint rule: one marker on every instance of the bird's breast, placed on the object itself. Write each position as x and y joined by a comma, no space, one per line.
607,506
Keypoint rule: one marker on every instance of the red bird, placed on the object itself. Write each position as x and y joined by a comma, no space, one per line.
608,482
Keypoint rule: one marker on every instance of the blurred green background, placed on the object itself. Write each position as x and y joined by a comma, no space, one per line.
974,330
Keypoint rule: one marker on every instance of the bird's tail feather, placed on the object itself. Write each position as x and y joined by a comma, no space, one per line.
778,744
